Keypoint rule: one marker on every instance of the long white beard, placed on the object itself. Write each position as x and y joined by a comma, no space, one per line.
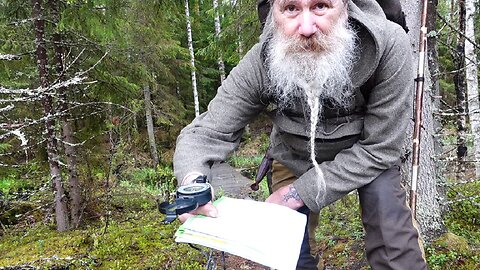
323,61
313,70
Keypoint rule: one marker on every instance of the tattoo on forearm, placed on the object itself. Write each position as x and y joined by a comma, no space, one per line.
291,194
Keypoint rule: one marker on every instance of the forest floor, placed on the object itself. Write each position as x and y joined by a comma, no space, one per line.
122,228
131,237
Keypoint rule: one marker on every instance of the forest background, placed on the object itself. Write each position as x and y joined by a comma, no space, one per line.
93,94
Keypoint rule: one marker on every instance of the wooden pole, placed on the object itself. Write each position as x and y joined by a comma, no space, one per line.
419,81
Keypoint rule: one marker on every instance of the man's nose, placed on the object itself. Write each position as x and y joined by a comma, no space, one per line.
307,25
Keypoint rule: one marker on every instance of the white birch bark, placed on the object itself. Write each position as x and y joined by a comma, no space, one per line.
428,209
472,81
192,60
150,130
241,50
218,29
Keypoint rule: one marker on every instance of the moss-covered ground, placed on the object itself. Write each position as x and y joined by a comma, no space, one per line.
131,236
127,233
122,227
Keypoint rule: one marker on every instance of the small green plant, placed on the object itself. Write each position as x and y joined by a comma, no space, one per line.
144,176
220,192
245,161
6,184
10,185
167,181
331,243
159,180
439,260
4,147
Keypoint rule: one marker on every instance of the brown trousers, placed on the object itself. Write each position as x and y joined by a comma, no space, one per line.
391,239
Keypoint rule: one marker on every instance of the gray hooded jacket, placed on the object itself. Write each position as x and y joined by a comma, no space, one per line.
353,145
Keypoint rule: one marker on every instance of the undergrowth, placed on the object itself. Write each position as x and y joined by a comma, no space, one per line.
340,238
340,235
122,230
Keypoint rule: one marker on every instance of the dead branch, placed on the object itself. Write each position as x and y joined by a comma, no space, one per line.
9,57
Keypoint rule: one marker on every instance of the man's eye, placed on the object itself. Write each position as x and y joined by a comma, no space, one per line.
320,6
290,8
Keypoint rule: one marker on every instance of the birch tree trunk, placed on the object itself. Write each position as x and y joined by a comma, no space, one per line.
459,79
61,212
150,130
192,60
218,29
472,81
75,188
428,209
241,50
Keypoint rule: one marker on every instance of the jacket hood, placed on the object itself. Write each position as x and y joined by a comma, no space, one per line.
368,16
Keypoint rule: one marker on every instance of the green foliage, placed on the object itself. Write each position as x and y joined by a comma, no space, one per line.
158,182
340,235
440,260
340,239
145,176
145,45
126,233
163,175
451,252
4,147
463,218
244,161
12,184
168,182
18,73
7,185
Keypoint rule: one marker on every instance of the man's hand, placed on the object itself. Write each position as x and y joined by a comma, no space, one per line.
286,196
208,210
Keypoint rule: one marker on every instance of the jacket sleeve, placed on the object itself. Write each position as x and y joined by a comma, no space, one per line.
217,132
385,126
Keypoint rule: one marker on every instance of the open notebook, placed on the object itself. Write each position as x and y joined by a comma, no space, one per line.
265,233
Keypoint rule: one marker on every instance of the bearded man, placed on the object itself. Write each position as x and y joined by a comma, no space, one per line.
337,73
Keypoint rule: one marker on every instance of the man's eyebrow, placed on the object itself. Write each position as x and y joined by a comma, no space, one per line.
284,2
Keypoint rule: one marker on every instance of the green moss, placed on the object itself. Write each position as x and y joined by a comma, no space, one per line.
453,242
141,243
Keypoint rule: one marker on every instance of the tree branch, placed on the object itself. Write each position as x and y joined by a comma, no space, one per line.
457,31
10,57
